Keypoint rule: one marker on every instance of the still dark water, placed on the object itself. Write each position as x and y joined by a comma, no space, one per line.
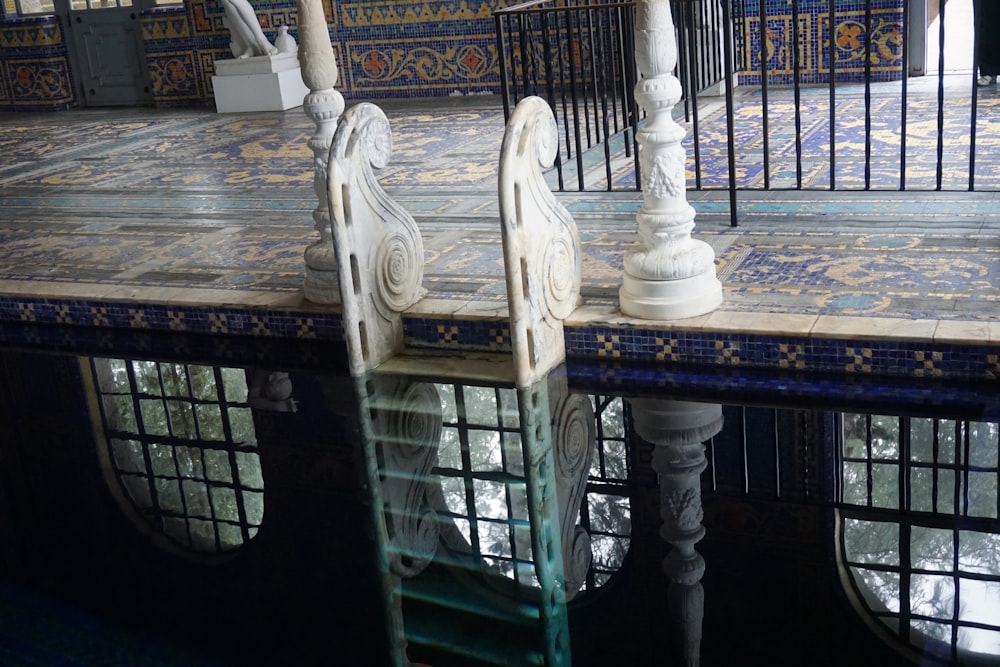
187,502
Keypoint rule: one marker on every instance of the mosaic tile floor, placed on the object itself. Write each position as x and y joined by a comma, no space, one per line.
196,221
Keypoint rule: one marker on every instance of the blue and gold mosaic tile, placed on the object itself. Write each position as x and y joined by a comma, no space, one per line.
112,206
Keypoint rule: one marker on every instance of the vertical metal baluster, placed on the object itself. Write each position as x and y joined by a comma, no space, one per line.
730,140
940,100
868,94
498,21
550,91
832,56
904,88
765,131
687,19
797,91
973,112
576,104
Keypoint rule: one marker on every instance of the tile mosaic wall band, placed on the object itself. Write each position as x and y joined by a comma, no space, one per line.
851,39
448,46
113,315
660,347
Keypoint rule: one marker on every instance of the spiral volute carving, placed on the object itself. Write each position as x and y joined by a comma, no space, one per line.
574,431
561,273
418,421
398,270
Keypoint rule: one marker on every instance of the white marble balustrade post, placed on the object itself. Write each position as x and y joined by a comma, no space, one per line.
323,105
672,276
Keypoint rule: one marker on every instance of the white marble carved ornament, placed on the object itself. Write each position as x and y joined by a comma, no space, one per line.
541,245
379,251
247,38
672,275
323,105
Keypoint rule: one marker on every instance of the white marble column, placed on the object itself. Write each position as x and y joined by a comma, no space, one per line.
323,105
672,275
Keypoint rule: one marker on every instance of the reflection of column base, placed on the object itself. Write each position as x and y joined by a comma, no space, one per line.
670,299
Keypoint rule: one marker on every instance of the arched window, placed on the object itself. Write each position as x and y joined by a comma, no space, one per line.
480,469
919,535
179,449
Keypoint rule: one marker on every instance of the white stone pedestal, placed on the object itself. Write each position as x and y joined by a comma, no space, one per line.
261,83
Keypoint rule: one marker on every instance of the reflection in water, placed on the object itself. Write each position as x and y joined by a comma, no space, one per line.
509,481
678,431
181,450
919,529
481,498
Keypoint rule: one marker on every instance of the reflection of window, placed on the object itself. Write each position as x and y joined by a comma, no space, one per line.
919,535
480,468
179,441
607,512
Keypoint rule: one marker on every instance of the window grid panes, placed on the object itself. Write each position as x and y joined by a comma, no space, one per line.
181,444
607,512
920,537
481,471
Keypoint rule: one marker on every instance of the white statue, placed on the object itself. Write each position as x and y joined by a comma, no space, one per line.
244,28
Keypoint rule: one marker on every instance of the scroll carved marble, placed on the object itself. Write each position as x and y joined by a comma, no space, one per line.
541,245
379,251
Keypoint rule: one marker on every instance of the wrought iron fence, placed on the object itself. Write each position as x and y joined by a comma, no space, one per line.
580,59
842,105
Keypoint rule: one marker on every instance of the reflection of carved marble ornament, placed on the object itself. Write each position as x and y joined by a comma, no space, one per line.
574,446
409,434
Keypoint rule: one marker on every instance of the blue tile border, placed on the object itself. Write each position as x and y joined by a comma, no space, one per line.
117,315
663,348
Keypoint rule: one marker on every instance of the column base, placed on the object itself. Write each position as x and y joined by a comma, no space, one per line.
322,287
670,299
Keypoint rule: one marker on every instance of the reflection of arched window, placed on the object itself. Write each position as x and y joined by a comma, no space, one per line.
480,469
178,444
920,540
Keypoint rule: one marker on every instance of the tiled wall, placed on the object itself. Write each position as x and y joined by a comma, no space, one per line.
422,48
851,36
34,65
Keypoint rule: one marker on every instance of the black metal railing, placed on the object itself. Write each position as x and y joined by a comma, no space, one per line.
580,59
841,114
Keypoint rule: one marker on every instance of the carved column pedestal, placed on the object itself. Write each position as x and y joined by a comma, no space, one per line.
323,106
671,276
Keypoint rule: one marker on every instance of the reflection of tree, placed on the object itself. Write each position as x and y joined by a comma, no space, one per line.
183,446
610,524
480,462
948,530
